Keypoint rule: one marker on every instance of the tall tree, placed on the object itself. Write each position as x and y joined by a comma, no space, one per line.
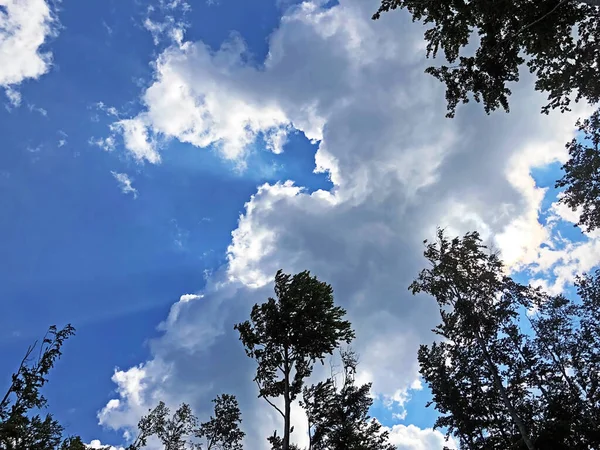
567,346
476,377
287,335
556,39
582,173
21,427
338,412
516,367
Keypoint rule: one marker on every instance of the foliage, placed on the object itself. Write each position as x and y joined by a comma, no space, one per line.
289,334
338,416
473,373
567,346
174,432
496,385
556,39
222,431
582,173
180,431
20,428
75,443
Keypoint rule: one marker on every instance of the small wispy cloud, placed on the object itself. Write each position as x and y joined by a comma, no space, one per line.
180,236
107,144
34,149
108,28
62,141
125,183
171,23
110,110
34,108
14,96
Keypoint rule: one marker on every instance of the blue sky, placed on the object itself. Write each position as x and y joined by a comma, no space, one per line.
97,232
75,248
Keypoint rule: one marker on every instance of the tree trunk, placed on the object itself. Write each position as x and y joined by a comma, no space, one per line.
498,382
286,399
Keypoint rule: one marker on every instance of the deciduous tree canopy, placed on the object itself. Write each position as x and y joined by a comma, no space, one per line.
515,368
556,39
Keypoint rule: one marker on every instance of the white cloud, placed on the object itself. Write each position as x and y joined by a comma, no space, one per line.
107,144
414,438
137,139
37,109
96,444
399,169
173,30
170,26
558,263
135,397
109,110
14,97
25,25
125,183
62,141
189,297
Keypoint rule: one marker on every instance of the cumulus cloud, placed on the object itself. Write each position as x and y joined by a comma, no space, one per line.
96,444
559,261
137,139
413,438
398,167
25,25
125,183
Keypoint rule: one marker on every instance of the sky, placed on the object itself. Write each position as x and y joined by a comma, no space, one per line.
160,160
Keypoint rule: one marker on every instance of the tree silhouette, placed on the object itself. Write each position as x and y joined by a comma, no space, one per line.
338,413
582,173
516,367
21,427
287,335
181,431
556,39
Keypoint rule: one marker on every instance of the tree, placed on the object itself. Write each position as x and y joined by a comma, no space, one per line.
477,380
287,335
582,174
496,383
180,431
222,431
556,39
567,345
174,432
338,416
20,428
75,443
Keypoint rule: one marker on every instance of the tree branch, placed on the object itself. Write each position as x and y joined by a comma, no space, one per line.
269,401
23,361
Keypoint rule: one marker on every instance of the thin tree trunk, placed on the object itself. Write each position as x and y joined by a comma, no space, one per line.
286,399
573,384
498,382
